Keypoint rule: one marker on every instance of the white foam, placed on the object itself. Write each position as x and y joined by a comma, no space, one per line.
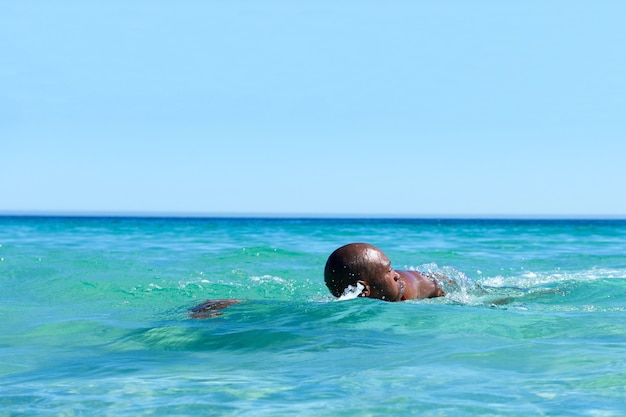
267,278
352,292
531,279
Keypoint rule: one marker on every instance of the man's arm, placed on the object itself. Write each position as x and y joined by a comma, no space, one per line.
210,308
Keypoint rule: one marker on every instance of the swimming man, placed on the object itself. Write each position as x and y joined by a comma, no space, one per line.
365,269
357,267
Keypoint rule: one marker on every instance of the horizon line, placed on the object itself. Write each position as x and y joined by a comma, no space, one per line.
321,216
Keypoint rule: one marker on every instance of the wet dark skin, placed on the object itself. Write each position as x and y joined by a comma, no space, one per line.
365,264
210,308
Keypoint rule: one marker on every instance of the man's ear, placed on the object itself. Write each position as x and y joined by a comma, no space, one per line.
365,292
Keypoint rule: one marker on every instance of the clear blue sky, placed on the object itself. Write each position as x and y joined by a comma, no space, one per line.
419,108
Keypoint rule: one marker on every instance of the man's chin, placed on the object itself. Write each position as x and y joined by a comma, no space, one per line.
401,296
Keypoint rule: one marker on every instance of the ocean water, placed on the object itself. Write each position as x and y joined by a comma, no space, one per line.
95,319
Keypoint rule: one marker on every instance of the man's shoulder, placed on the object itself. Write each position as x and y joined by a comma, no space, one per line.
411,274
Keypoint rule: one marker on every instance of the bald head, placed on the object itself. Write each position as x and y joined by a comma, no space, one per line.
350,264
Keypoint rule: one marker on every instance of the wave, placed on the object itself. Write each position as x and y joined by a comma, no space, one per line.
596,288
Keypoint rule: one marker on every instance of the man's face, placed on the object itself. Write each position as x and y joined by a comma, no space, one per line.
384,283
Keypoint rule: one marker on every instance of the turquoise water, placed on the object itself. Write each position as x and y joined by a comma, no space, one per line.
94,319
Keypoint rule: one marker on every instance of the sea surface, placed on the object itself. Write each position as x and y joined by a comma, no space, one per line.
94,319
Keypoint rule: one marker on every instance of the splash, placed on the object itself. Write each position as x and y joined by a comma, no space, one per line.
352,292
456,284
